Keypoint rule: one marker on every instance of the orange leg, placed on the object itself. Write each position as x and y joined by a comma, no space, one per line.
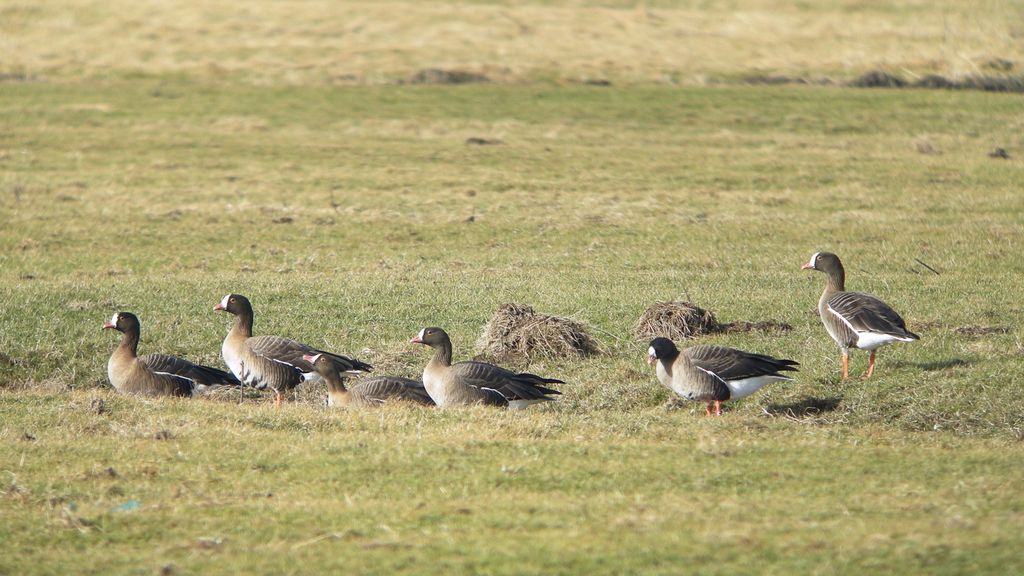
277,399
871,365
846,365
718,407
707,409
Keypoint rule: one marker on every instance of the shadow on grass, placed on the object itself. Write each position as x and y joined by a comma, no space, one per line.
811,406
932,366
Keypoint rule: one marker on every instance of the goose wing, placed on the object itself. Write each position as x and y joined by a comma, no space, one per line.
731,364
866,313
384,388
508,384
166,383
203,375
290,352
696,383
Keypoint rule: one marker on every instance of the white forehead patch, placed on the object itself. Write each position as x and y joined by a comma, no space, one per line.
224,301
420,335
650,352
315,358
113,319
814,258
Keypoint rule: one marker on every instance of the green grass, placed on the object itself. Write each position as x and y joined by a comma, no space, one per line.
343,213
249,488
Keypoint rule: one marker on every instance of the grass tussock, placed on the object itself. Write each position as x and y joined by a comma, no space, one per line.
517,332
675,320
440,76
679,320
983,82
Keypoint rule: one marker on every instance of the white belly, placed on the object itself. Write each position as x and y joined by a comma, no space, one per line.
747,386
871,340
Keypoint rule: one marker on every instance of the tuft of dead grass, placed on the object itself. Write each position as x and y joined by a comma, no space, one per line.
439,76
878,79
679,320
517,331
676,320
983,82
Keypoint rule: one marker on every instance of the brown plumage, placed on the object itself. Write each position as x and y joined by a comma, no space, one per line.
271,361
155,374
714,374
468,383
855,319
374,391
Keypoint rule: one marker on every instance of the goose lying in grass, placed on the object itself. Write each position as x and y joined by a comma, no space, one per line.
367,392
468,383
155,374
271,361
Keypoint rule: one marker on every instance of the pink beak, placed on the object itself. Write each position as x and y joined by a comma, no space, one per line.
807,266
308,357
652,359
218,306
415,340
108,326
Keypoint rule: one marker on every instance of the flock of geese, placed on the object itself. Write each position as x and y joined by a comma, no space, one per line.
708,374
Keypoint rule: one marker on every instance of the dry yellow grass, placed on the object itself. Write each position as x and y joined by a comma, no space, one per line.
265,41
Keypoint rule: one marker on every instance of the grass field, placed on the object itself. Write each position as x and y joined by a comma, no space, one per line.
135,175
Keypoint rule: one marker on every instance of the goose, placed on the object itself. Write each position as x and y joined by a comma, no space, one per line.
714,374
368,392
470,382
855,319
271,361
155,374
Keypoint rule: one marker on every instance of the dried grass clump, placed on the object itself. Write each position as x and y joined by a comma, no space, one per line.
878,79
439,76
516,331
675,320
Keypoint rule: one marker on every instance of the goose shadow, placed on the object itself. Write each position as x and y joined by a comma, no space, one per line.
932,366
810,406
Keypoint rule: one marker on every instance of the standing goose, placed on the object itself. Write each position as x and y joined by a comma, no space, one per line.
714,374
467,383
855,319
369,392
271,361
155,374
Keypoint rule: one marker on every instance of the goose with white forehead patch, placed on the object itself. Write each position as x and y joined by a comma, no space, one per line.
855,319
468,383
375,391
714,374
155,374
271,361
